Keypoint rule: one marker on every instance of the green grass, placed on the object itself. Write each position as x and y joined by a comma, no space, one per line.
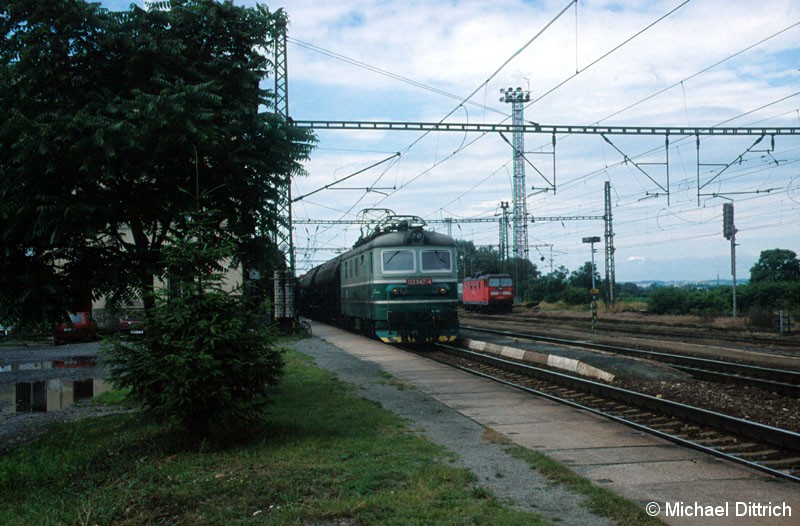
324,456
599,501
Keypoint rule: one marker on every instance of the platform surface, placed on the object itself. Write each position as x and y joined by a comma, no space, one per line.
689,487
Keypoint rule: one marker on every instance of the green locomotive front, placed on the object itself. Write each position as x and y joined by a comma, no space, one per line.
402,287
398,283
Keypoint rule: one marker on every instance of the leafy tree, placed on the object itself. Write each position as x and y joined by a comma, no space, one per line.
524,273
110,118
207,362
549,287
776,265
472,259
582,277
630,290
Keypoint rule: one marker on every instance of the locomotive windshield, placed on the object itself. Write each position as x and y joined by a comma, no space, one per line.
398,260
436,260
499,282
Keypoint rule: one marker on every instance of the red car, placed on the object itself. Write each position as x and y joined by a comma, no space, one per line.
131,325
77,326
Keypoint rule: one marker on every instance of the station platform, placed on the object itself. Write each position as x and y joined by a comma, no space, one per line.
686,487
592,364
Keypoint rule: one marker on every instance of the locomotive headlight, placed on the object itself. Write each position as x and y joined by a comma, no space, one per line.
443,290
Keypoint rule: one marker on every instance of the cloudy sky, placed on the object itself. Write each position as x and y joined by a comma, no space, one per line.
697,63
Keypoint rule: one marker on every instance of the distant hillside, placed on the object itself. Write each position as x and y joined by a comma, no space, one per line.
709,283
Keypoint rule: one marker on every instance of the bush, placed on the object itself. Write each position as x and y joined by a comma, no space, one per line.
577,296
207,360
667,300
771,295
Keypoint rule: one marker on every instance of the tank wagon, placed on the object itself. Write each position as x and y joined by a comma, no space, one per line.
488,293
398,284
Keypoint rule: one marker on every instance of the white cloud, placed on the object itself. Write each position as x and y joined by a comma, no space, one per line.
455,46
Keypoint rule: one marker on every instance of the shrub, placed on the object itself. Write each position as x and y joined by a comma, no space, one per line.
667,300
577,296
207,360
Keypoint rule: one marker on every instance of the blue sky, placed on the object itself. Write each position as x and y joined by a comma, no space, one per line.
659,63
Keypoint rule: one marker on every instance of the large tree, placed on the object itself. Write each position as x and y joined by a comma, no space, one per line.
114,123
776,265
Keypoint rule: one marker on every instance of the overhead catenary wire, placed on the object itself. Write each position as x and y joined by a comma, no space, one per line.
464,146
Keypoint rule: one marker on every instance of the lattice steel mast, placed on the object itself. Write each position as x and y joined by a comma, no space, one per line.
283,235
609,235
517,97
283,280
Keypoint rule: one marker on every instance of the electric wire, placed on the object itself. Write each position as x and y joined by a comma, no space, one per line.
639,102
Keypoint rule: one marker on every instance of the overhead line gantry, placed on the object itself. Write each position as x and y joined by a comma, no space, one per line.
544,128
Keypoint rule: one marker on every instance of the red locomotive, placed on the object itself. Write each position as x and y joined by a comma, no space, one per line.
488,293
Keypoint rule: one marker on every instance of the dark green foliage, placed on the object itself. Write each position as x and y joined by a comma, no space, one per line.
630,290
775,295
777,265
667,300
207,361
677,301
577,296
550,287
582,277
108,117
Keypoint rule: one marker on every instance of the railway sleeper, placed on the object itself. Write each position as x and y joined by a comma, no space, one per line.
658,420
757,455
742,446
792,463
630,411
674,426
637,415
716,442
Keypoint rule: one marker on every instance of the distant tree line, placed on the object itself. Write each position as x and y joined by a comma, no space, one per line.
774,284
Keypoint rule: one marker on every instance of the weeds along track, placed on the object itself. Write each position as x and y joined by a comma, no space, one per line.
763,447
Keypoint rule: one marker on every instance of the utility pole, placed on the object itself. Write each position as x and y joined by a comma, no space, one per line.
520,214
284,280
504,233
729,231
593,306
610,274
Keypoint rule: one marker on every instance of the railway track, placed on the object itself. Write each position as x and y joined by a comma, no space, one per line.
646,329
775,380
762,447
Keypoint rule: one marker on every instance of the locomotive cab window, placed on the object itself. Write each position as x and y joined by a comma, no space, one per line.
436,261
398,261
500,282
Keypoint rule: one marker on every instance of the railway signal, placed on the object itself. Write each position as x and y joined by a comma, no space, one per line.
729,232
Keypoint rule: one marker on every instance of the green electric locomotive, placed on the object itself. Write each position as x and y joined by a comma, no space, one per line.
399,284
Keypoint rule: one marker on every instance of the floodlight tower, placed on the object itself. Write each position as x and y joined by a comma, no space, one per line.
520,214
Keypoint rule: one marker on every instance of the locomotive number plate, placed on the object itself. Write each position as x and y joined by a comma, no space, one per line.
419,281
